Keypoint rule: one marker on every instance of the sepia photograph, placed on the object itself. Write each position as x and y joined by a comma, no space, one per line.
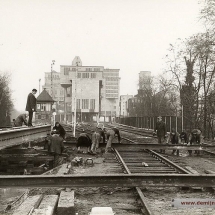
107,107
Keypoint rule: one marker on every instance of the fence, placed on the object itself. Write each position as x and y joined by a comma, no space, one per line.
150,122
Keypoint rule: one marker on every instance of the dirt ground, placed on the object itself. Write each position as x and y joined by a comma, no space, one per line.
124,201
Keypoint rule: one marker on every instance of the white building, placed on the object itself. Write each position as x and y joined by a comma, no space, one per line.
124,105
93,90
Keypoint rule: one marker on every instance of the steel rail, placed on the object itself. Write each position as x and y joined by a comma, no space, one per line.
167,161
141,133
109,180
146,207
26,134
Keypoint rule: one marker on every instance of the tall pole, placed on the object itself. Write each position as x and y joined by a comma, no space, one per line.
176,122
182,118
39,85
64,98
75,99
53,61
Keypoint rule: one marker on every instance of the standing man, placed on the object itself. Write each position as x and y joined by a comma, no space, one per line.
31,106
160,129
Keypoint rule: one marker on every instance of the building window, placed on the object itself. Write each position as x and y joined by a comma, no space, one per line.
92,103
73,69
78,103
85,103
43,107
66,71
97,69
79,75
89,69
111,91
85,75
93,75
112,79
112,87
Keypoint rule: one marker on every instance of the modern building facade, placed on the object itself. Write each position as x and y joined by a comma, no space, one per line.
124,105
92,92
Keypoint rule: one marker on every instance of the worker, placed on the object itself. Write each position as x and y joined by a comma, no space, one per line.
174,139
160,130
84,141
102,134
96,137
56,146
195,137
184,137
21,119
60,128
111,133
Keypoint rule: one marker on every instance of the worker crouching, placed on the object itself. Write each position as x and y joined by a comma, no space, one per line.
110,136
174,139
84,141
195,138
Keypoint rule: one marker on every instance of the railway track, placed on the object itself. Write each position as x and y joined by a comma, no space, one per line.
143,162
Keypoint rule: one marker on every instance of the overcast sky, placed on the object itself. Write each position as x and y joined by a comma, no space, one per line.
130,35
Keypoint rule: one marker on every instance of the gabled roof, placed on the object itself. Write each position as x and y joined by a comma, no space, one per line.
44,97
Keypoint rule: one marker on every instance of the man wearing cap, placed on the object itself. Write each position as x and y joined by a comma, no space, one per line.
160,129
31,105
22,118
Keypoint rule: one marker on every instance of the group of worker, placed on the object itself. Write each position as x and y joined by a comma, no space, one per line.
193,137
55,142
92,143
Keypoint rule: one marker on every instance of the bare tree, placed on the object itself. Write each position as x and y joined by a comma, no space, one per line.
5,99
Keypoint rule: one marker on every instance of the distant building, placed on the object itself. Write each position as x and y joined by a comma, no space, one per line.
124,105
44,107
93,89
144,80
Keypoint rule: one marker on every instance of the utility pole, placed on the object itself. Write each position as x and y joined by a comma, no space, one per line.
75,98
39,86
182,118
53,61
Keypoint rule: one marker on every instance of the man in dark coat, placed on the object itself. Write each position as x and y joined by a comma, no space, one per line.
84,141
31,105
56,146
173,138
195,138
22,118
160,129
60,128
